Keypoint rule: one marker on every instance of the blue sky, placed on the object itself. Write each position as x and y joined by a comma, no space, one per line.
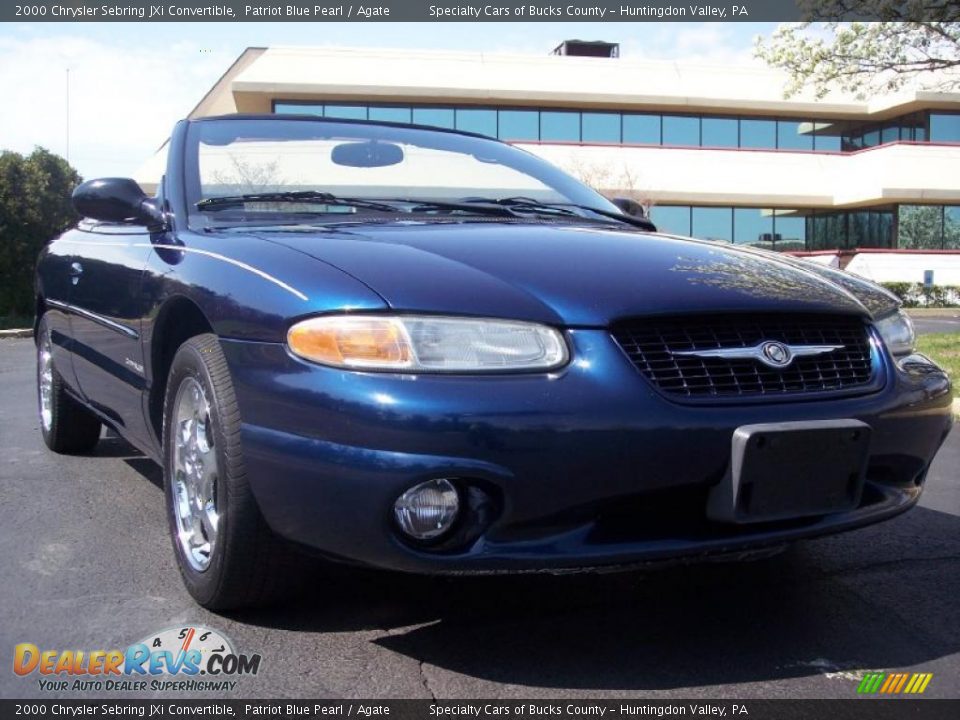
129,82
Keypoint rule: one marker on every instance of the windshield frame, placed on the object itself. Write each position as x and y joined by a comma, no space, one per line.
565,185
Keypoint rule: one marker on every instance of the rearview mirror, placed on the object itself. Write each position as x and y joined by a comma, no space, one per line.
629,207
367,154
116,200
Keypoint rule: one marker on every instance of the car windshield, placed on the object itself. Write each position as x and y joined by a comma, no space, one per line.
286,169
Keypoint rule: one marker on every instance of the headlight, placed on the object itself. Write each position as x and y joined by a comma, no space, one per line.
897,332
427,344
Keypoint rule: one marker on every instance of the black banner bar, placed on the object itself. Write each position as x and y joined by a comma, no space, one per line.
473,11
634,709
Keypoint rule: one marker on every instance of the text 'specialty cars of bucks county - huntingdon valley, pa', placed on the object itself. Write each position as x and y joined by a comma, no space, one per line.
429,351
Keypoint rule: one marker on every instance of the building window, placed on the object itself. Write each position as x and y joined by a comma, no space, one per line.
752,226
858,229
920,227
794,135
760,134
346,112
602,128
681,130
641,129
871,138
852,140
298,109
437,117
951,227
790,230
477,121
560,126
391,114
945,127
719,132
672,219
827,136
610,127
519,125
890,133
713,223
920,130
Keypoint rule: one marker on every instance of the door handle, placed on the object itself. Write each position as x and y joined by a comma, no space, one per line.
76,270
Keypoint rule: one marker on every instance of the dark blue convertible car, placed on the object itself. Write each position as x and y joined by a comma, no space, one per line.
429,351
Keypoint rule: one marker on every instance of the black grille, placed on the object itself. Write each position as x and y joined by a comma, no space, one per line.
650,343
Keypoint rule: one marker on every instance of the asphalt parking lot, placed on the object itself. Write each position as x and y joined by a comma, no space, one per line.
946,321
85,562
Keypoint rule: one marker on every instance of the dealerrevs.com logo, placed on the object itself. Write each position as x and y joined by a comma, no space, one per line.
184,659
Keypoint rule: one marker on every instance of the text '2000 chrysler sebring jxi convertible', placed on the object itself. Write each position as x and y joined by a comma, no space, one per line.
425,350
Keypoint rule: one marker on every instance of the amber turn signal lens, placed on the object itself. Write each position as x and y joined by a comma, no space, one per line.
351,341
423,343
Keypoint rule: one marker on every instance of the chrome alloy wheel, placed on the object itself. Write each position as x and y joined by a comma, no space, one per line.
45,380
194,474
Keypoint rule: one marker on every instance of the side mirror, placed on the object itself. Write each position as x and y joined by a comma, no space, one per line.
629,207
116,200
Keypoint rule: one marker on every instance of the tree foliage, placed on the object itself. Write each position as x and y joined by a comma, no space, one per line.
927,227
915,41
611,181
34,207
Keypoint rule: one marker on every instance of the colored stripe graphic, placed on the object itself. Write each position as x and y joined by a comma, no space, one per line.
894,683
923,679
870,683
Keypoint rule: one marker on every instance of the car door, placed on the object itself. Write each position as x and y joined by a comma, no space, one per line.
106,306
55,283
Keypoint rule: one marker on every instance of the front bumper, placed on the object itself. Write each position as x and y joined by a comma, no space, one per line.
586,467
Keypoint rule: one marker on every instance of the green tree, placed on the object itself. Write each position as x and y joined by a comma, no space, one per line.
929,227
865,58
34,207
920,227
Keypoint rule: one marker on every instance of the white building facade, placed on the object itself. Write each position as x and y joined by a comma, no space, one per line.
714,152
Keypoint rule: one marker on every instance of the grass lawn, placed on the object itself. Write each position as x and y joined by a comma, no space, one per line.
944,349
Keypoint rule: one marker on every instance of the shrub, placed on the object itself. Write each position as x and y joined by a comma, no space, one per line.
34,207
919,295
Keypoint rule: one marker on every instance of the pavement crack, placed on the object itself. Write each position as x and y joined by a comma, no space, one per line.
425,681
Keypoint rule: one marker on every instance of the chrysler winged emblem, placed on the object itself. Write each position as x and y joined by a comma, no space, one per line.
771,353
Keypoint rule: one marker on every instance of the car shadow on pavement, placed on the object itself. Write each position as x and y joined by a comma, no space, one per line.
865,600
112,445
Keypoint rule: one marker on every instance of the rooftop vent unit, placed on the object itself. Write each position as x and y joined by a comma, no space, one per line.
587,48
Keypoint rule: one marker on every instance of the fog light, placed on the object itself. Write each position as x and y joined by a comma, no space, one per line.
427,510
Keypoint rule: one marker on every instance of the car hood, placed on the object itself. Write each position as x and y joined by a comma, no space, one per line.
572,274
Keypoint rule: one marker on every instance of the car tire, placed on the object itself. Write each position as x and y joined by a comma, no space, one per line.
66,425
209,500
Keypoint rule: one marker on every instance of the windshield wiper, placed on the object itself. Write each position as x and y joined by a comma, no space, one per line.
526,203
298,196
513,207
